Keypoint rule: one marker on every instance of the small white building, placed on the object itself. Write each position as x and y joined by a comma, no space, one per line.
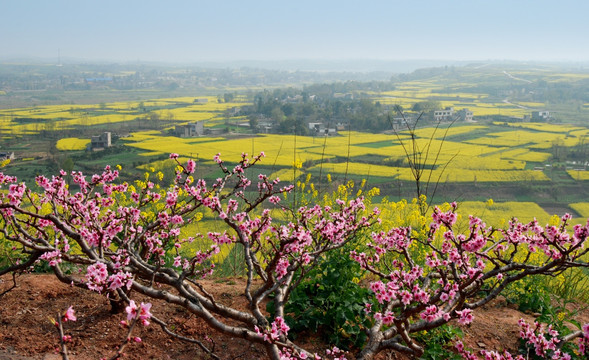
465,115
101,141
444,115
190,129
319,129
541,115
6,155
449,114
315,126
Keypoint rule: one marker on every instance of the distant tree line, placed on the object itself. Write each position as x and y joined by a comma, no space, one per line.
341,105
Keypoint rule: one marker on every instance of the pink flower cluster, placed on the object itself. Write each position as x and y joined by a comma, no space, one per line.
278,329
53,257
16,193
141,312
447,218
387,319
396,239
552,240
544,340
325,225
458,261
465,316
336,353
97,278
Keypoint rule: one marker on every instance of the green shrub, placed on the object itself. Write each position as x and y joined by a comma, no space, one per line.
530,294
439,343
330,302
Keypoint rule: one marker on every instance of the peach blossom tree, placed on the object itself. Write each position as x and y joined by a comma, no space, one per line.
127,239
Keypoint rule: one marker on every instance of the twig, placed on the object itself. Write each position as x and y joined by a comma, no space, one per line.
61,338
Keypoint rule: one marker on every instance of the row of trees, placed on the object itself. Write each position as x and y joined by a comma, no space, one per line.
293,110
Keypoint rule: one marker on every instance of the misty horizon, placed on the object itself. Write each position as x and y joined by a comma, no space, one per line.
188,32
303,65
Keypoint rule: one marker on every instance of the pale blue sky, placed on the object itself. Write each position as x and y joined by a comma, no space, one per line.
225,30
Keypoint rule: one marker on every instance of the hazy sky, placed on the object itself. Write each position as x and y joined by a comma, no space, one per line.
225,30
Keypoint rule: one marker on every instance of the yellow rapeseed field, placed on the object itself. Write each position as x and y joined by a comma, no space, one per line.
279,149
581,208
285,175
525,155
450,174
544,127
72,144
412,92
528,138
578,174
66,117
476,160
498,214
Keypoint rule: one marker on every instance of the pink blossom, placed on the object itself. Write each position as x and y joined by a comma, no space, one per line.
190,166
131,310
388,318
282,267
274,199
431,313
119,280
171,198
144,313
459,346
406,297
177,220
96,276
54,257
177,262
466,316
141,312
367,308
69,315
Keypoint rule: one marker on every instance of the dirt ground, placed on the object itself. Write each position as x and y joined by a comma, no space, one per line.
26,332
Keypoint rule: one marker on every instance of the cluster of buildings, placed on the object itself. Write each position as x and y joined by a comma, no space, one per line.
444,115
449,114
